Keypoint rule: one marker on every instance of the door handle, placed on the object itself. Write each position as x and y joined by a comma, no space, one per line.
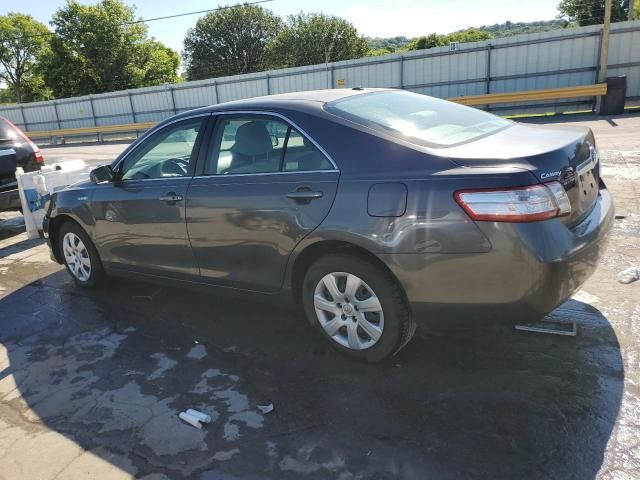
171,197
304,196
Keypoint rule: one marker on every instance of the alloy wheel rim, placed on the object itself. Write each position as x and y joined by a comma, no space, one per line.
76,256
348,310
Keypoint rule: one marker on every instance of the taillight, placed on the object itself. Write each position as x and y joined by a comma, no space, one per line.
519,204
38,155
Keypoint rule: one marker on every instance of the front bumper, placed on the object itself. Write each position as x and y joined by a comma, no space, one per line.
531,269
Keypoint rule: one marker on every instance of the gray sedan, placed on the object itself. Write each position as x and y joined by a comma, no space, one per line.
372,209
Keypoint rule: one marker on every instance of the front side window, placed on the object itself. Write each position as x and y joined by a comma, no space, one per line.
417,118
167,153
261,144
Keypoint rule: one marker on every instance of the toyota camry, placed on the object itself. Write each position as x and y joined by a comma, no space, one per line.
371,209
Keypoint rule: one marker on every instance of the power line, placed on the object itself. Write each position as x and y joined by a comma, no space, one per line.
144,20
147,20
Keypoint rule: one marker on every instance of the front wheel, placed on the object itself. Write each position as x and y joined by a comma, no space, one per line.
359,308
80,255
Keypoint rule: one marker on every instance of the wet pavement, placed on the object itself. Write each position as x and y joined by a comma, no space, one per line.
91,382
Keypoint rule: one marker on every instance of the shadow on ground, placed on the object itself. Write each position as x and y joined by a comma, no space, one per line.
110,370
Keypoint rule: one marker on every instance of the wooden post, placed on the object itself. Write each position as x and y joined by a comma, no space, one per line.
604,49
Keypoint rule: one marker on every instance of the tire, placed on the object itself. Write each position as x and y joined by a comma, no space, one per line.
79,255
387,325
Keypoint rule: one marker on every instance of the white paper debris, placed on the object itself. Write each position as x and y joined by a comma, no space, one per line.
266,408
201,417
629,275
191,420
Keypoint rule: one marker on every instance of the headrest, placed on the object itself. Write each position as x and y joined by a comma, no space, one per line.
252,138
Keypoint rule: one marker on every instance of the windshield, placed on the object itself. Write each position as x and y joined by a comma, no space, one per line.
417,118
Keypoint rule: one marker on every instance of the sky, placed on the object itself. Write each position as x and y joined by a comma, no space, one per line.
373,18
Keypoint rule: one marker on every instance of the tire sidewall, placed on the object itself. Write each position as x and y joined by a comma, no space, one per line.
383,285
96,264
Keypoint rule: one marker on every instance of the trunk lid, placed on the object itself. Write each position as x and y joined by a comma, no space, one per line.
566,154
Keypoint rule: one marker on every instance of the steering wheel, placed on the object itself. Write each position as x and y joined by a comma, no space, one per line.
174,167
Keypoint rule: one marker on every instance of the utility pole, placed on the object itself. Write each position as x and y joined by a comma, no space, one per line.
604,49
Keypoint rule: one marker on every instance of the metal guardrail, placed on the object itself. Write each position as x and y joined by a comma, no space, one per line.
489,99
88,131
595,90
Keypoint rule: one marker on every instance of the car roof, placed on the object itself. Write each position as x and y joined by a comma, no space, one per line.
308,100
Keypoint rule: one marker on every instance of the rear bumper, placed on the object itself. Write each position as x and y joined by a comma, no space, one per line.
9,200
531,269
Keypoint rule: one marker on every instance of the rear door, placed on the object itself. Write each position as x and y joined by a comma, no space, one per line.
262,187
140,218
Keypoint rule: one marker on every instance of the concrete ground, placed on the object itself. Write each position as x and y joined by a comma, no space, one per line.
91,382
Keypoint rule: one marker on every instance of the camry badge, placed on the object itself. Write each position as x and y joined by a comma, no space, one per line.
544,176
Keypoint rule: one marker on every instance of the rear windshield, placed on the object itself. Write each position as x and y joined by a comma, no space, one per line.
7,132
417,118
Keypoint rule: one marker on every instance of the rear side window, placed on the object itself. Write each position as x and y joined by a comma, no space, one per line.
261,144
417,118
7,132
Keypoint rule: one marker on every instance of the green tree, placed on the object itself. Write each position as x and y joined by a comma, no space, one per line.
102,48
160,64
23,42
463,36
469,35
229,41
429,41
309,39
591,12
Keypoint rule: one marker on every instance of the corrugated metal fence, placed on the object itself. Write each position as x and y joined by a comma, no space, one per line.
560,58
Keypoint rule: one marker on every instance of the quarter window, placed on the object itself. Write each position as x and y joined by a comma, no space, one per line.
261,144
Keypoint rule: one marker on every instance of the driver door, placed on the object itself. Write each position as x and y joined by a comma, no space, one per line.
140,217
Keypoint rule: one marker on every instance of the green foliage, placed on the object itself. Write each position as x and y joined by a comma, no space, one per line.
429,41
229,42
469,35
23,42
463,36
508,29
591,12
309,39
6,96
393,43
100,48
160,64
383,46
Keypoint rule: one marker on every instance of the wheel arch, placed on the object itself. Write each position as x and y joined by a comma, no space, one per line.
54,229
307,256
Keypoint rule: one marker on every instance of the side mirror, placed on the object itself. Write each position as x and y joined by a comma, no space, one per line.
103,173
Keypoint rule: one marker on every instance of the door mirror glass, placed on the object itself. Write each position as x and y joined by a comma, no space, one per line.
101,174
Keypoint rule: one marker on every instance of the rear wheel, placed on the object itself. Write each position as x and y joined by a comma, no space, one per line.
359,308
79,255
